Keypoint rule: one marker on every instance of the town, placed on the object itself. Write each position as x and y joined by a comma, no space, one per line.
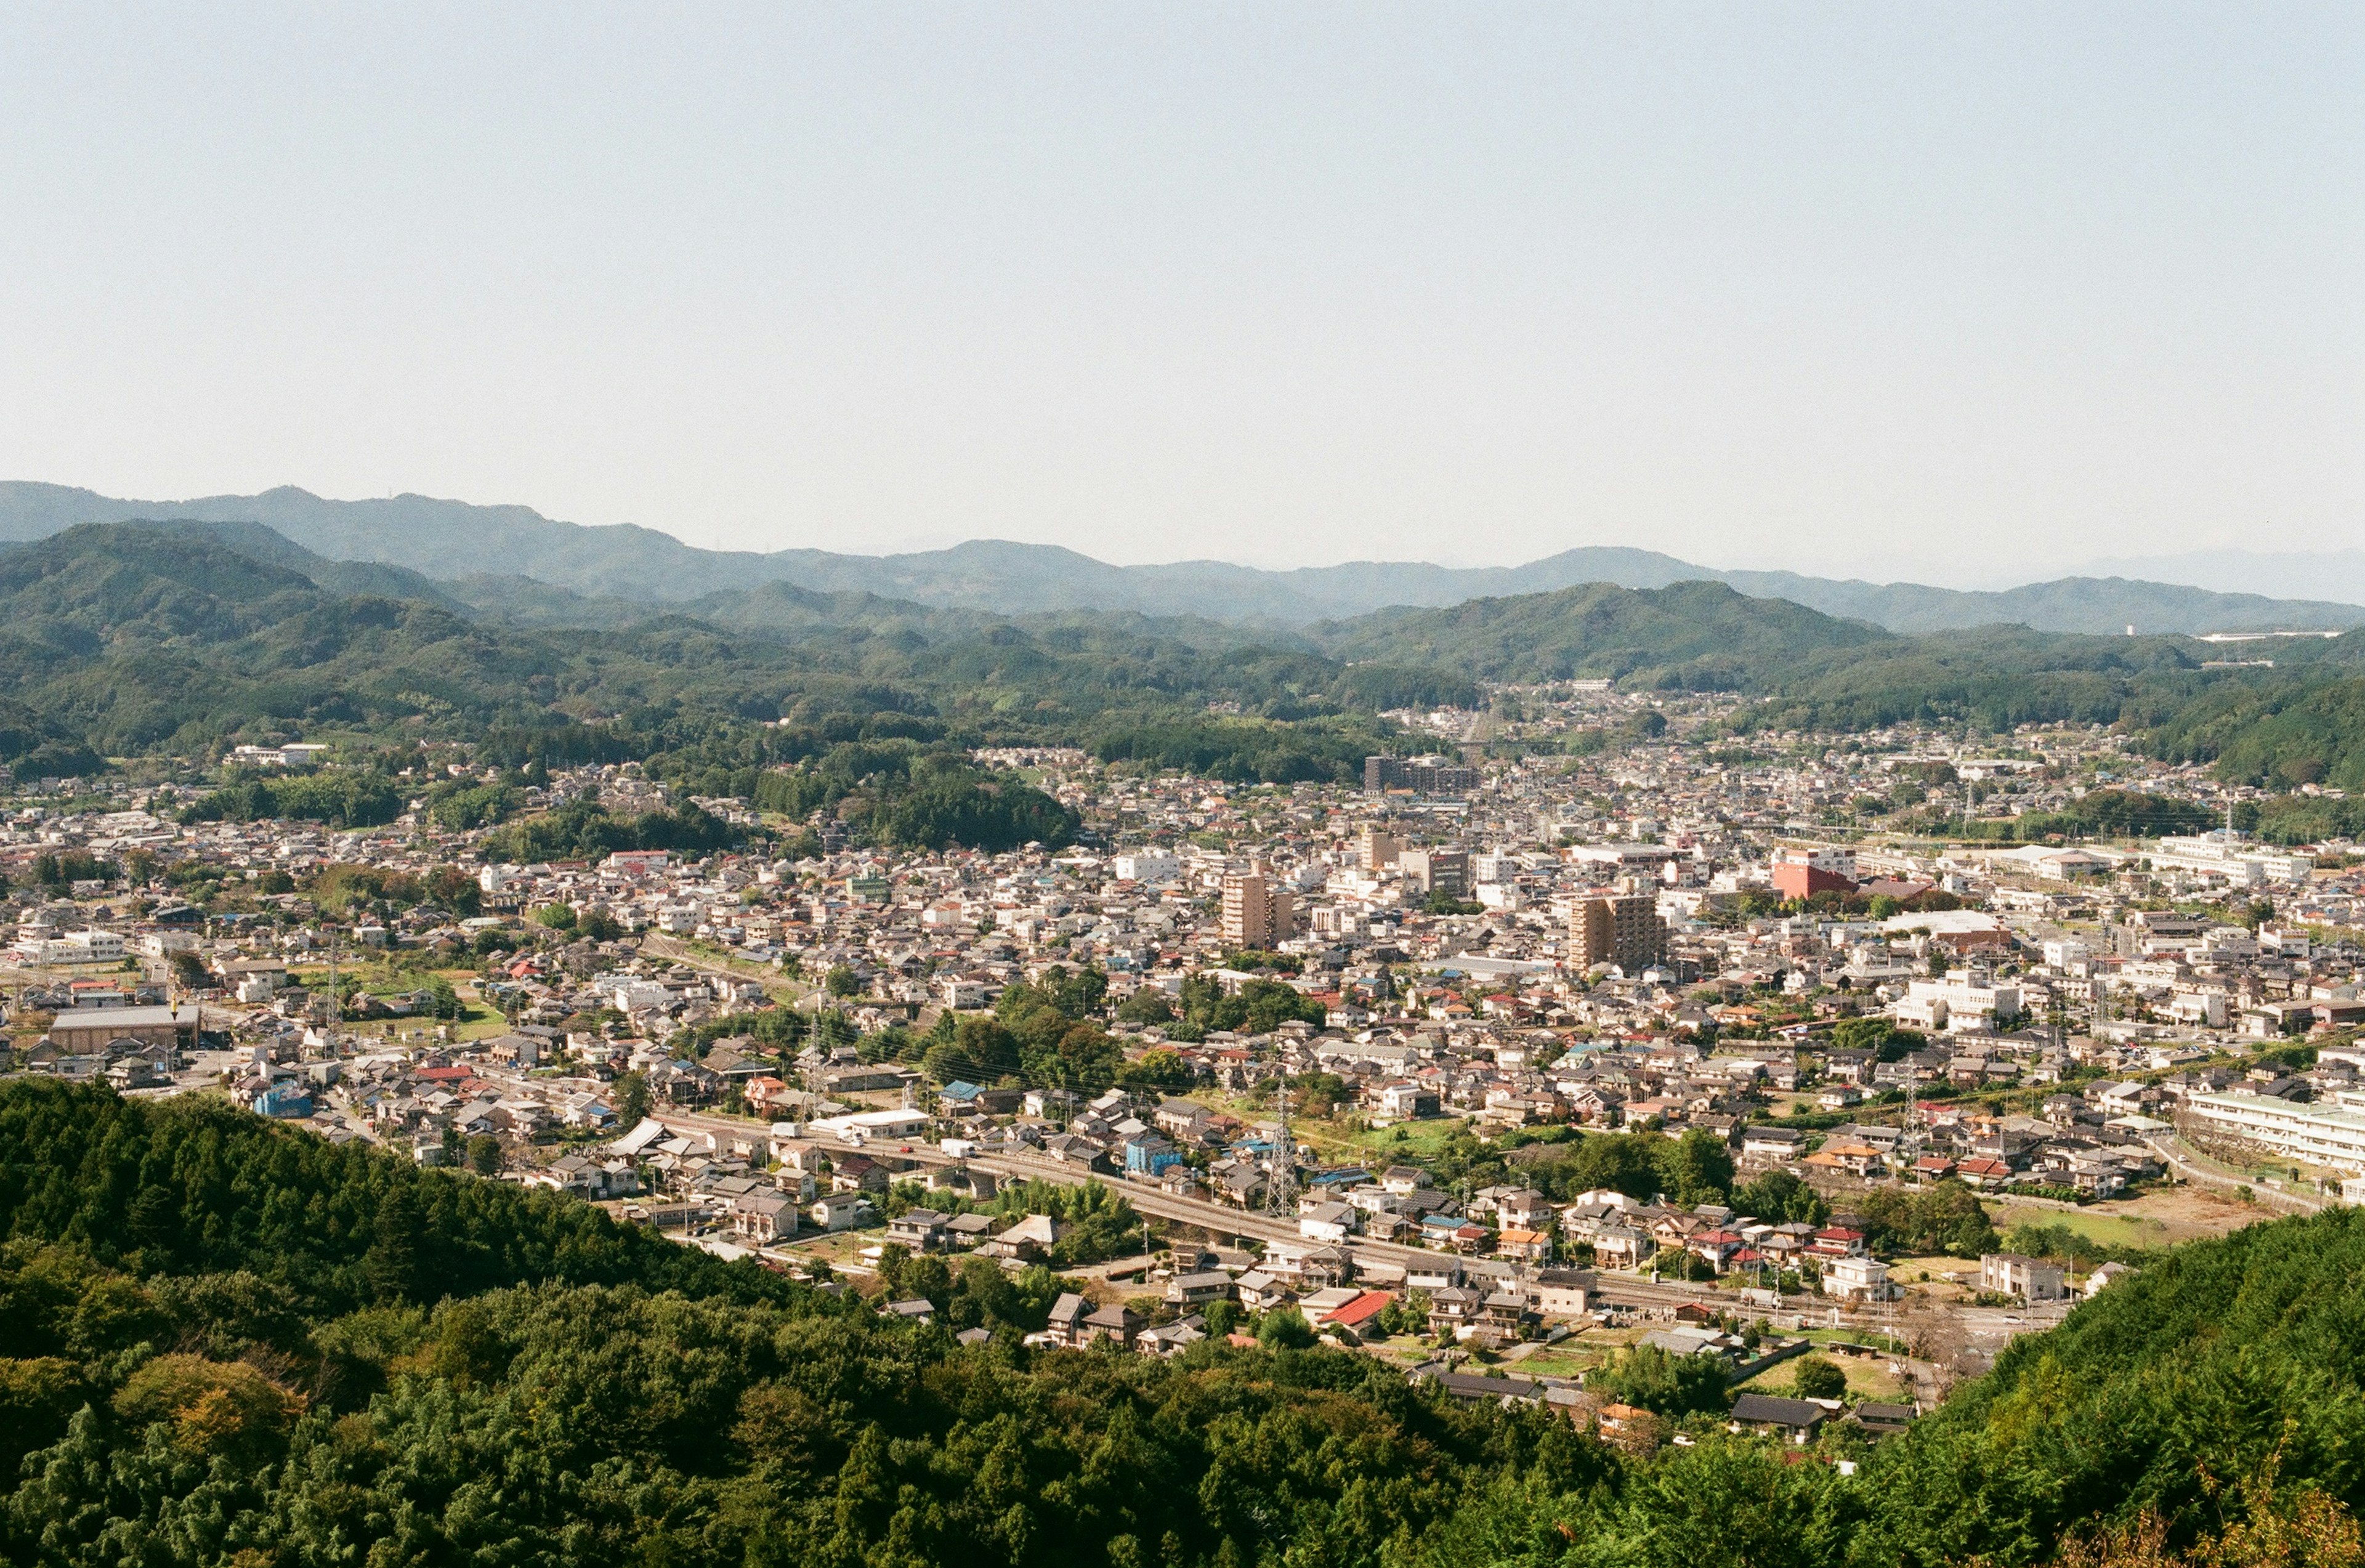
1516,1065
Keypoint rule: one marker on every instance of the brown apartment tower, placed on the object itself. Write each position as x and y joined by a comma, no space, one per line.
1257,911
1623,929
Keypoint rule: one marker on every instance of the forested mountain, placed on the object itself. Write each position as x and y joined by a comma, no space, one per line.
176,638
453,540
1690,635
119,639
223,1340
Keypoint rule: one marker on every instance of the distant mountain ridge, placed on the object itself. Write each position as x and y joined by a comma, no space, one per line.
498,548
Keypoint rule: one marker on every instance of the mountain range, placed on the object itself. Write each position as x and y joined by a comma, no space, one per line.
516,561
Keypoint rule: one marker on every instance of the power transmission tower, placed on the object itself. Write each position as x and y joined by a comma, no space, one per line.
336,1000
1281,1184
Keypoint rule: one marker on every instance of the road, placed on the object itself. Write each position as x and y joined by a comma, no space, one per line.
2181,1155
680,953
1220,1220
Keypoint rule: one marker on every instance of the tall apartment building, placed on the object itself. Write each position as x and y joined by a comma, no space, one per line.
1422,775
1257,911
1443,871
1377,848
1623,929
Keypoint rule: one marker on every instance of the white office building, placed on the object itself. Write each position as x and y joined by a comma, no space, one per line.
1966,1002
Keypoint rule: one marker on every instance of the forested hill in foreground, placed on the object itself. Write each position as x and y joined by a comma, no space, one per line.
223,1342
452,539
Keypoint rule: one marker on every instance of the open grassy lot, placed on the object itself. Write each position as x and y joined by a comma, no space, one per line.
2160,1217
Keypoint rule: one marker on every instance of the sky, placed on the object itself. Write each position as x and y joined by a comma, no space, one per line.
1967,293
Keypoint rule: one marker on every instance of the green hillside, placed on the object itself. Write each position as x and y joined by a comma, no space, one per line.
1687,636
226,1342
123,639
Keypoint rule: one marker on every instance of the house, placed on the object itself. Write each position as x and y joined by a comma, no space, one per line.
965,1231
2031,1279
917,1310
923,1230
1261,1291
1525,1246
1031,1238
1858,1279
1524,1208
1361,1316
1453,1308
838,1211
1117,1323
1776,1143
1562,1293
1199,1289
763,1218
1837,1241
1795,1419
1851,1156
1173,1338
1066,1324
1880,1421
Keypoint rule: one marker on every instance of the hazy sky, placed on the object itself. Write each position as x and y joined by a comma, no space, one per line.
1955,291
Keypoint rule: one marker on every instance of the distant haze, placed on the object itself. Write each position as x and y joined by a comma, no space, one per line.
1969,294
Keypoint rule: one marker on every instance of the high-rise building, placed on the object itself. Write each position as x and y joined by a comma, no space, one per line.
1623,929
1422,775
1377,848
1257,911
1443,871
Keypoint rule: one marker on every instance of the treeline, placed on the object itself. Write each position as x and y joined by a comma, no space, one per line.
2103,813
1205,1006
1244,751
339,797
581,830
901,794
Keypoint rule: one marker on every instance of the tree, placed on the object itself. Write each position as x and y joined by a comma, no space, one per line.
557,916
632,1096
1149,1005
1621,1162
391,1264
1778,1197
842,981
980,1051
1815,1378
1651,1379
1157,1069
1284,1328
1697,1168
598,926
485,1155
